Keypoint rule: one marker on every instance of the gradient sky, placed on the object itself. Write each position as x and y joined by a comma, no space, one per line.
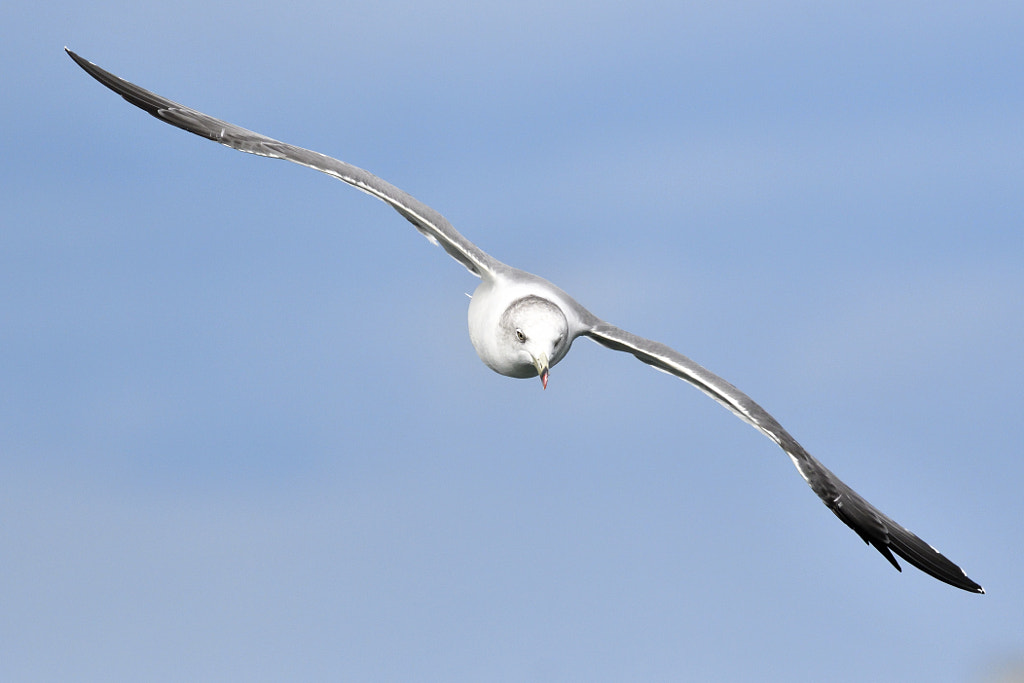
243,433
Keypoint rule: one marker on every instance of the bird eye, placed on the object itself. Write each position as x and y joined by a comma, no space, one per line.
520,335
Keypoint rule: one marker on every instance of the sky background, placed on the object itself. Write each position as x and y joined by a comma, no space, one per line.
244,435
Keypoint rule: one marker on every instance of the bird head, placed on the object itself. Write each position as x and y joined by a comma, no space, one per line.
534,336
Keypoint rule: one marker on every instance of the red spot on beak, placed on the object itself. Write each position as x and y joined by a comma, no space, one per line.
544,379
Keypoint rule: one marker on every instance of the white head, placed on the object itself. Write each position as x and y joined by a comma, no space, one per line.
533,335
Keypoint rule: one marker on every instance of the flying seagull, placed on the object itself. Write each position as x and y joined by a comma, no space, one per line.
521,325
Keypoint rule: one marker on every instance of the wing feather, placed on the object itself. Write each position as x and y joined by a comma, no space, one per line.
871,524
428,221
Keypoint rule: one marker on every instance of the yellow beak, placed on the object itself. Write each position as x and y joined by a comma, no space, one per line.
541,363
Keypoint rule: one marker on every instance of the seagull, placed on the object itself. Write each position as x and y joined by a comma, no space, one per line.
521,325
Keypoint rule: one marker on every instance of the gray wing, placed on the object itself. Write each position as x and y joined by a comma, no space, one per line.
429,222
870,524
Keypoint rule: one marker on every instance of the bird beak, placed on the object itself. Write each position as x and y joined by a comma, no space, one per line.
541,363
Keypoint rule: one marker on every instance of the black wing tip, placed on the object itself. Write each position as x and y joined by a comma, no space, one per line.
101,75
887,554
963,582
937,566
888,537
79,60
149,102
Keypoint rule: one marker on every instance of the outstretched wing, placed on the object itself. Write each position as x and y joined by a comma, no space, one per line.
429,222
870,523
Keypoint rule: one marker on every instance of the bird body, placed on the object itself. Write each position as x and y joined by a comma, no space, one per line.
521,325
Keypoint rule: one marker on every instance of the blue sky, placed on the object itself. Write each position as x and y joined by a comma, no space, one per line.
243,433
